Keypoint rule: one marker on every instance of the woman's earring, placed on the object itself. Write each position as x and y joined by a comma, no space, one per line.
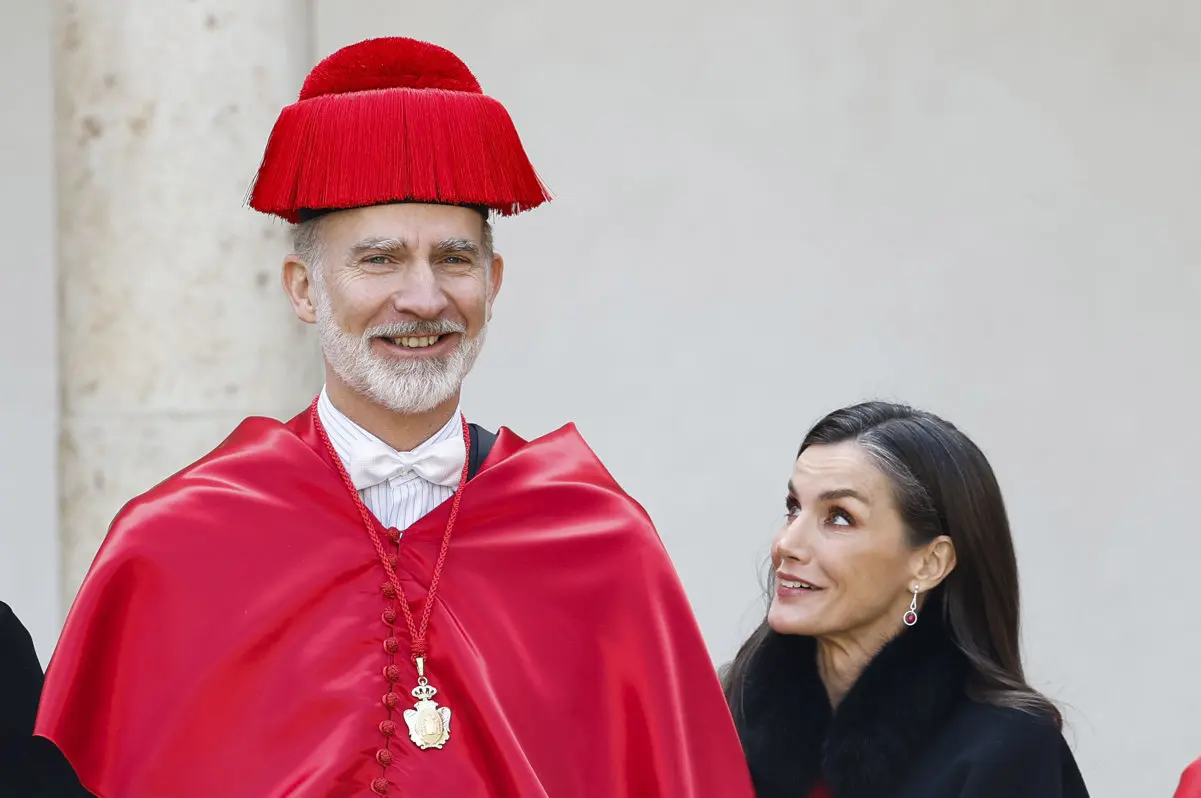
911,616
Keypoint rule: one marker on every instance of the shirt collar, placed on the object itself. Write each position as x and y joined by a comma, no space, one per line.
349,438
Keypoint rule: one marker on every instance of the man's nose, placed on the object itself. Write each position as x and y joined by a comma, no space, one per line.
420,294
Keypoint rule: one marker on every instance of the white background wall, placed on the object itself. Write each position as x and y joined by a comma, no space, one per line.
768,209
29,548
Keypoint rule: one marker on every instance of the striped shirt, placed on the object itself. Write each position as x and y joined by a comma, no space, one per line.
401,502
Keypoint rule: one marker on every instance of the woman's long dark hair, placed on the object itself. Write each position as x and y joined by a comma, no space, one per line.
943,485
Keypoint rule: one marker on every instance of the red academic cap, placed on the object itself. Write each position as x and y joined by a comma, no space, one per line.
393,120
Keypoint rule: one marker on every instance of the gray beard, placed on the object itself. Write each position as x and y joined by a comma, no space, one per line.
407,387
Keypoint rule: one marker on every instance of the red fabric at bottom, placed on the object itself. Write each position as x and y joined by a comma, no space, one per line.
1190,782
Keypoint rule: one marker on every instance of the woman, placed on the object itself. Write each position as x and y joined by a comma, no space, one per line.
888,665
29,766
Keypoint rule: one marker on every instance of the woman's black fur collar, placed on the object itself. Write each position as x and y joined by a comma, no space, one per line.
866,748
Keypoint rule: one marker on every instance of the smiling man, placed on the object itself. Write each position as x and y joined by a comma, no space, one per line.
378,597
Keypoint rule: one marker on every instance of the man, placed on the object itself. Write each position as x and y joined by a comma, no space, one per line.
376,597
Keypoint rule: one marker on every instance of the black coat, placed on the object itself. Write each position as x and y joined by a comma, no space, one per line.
30,767
906,729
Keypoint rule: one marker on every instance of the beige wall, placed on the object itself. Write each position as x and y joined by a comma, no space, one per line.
767,209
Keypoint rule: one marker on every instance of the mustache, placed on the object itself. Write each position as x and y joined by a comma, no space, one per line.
416,328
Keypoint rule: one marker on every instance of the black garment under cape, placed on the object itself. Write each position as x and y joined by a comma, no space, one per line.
906,729
30,767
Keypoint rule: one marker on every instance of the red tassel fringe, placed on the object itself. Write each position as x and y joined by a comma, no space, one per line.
388,145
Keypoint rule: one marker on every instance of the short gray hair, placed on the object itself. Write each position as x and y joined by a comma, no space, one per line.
306,240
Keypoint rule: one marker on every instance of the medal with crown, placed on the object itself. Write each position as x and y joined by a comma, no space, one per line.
429,724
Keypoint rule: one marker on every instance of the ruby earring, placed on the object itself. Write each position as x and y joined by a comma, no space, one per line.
910,617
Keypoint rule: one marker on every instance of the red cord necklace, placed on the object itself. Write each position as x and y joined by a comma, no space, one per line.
429,724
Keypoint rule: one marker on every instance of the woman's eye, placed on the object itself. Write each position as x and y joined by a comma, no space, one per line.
840,518
791,508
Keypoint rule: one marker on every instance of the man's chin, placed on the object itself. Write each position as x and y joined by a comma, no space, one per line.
407,386
408,400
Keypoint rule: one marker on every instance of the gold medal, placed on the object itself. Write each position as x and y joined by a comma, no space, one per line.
429,724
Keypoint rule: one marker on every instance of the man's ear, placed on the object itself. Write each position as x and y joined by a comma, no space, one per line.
495,277
298,285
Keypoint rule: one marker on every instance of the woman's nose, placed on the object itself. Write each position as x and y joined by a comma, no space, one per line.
792,543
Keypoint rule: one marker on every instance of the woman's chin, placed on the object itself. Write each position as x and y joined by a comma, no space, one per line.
792,621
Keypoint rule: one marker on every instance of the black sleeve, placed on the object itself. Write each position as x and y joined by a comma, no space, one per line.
20,677
30,767
1030,760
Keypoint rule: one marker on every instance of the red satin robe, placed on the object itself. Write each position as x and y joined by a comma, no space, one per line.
1190,782
228,639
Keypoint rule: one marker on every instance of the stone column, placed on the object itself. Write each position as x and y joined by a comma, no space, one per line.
173,325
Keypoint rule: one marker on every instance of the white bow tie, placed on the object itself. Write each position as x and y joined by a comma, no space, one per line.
374,462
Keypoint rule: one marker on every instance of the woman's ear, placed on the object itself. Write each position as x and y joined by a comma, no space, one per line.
934,562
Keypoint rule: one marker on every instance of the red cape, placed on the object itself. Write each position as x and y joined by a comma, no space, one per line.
228,639
1190,782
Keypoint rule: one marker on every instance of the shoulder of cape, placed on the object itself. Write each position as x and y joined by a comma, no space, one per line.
252,433
562,459
565,458
563,452
275,442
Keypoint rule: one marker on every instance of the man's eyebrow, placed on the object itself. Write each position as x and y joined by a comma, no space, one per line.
378,244
398,245
465,245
